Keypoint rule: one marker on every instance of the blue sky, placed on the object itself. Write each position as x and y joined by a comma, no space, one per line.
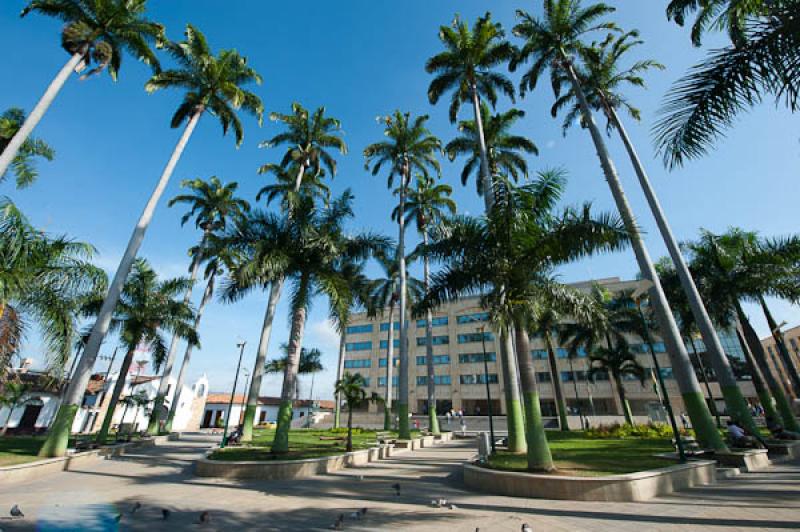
360,59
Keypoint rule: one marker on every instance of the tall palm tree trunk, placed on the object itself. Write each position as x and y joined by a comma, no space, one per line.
433,420
575,389
339,373
486,179
759,382
712,403
35,116
209,291
349,428
11,409
692,395
56,443
539,457
119,386
558,390
626,406
404,428
387,404
781,402
786,358
261,356
281,441
163,385
734,400
514,417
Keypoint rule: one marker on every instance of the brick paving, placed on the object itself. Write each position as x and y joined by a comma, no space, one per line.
92,496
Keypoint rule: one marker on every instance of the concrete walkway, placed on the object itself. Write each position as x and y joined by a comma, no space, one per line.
91,497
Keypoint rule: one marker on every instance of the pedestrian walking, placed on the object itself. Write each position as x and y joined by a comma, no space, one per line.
447,415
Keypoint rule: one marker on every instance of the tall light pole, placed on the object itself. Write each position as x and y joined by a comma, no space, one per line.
244,395
488,390
637,297
240,345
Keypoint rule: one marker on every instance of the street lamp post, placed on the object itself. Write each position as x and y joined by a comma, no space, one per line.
488,390
240,345
646,331
244,395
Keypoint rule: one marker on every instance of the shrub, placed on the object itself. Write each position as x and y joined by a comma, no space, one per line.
650,431
343,430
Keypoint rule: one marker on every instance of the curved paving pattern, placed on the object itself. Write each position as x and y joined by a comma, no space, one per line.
91,497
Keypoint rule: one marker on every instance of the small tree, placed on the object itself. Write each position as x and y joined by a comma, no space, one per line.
618,360
12,398
351,387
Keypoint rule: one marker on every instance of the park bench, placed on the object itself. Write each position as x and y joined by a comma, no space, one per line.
85,444
690,446
384,437
333,438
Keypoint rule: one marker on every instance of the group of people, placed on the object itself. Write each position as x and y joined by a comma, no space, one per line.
741,437
451,415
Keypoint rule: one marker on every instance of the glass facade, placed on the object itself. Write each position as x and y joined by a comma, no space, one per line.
382,362
437,360
357,363
435,340
439,321
444,380
474,337
385,326
358,346
472,318
357,329
478,379
471,358
382,381
385,344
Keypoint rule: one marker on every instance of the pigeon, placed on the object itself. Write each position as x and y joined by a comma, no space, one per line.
396,487
205,517
363,512
453,507
16,512
136,507
337,525
165,513
526,528
355,515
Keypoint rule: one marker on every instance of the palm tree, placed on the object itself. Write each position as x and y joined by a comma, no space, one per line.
93,31
213,83
732,16
23,165
309,363
761,62
383,293
211,204
351,387
146,309
546,325
482,256
43,279
619,361
731,268
554,42
410,148
602,79
427,206
504,150
308,137
11,398
467,67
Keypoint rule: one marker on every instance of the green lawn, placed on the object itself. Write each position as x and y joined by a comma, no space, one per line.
576,455
303,443
19,449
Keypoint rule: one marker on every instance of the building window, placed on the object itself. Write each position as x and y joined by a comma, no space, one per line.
443,380
395,343
474,337
467,379
385,326
543,377
358,346
472,358
472,318
357,329
666,373
435,340
539,354
358,363
769,349
382,362
437,360
439,321
561,352
599,376
366,381
382,381
478,379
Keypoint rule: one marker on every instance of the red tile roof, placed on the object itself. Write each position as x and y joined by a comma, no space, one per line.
224,398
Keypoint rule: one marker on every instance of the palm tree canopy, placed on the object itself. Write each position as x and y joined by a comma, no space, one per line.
730,16
308,138
352,388
705,102
483,255
427,204
602,79
470,60
555,38
23,164
384,291
284,187
149,307
43,279
309,361
410,148
505,151
212,83
100,30
618,360
210,203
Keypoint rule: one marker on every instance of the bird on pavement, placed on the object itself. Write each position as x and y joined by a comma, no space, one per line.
205,517
165,513
526,528
396,487
16,512
136,507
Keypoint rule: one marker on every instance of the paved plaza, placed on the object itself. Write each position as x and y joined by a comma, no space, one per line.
94,495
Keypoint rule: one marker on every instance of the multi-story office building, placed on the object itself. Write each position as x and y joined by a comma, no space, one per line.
459,332
791,338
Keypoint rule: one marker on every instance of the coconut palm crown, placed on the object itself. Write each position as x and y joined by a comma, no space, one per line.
211,203
23,164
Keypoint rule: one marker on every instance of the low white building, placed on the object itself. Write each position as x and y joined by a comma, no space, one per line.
266,412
